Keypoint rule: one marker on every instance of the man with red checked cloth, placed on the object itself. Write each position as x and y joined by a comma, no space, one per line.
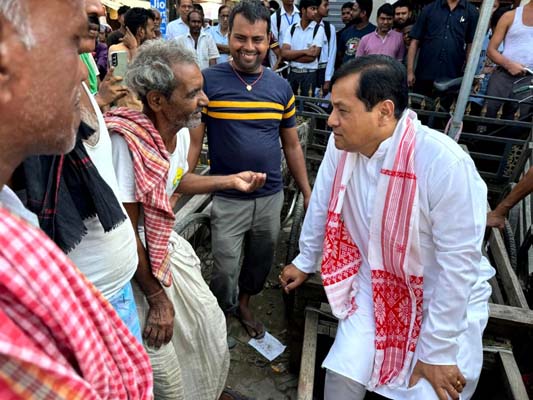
398,216
59,337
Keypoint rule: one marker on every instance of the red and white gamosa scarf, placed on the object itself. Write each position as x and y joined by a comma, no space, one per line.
151,163
393,255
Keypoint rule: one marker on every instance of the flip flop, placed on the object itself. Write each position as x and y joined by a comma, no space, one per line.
254,329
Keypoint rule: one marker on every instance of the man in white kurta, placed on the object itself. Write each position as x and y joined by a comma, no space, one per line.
451,214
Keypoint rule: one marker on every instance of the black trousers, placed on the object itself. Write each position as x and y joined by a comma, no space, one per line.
303,83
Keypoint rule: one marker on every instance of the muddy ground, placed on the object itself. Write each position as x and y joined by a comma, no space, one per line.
250,373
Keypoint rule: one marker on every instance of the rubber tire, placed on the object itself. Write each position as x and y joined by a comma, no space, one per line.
200,239
296,228
510,244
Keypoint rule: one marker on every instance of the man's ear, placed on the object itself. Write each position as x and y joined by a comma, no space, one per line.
386,111
140,34
155,100
5,57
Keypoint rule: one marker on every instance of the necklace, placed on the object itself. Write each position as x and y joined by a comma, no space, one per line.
249,86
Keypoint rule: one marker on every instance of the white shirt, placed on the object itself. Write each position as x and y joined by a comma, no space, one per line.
219,38
286,21
177,28
10,201
303,39
452,205
124,170
109,260
124,165
329,51
206,48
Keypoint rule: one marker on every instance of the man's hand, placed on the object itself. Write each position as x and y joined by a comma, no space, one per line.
160,321
445,379
110,89
411,79
291,277
129,40
495,220
515,69
326,87
249,181
312,51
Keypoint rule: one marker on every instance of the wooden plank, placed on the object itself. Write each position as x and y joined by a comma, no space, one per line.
195,204
307,367
509,321
512,377
510,282
496,295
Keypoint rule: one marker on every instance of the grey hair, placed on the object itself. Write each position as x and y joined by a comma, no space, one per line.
151,69
15,11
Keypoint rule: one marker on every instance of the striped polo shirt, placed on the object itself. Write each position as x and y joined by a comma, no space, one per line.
243,127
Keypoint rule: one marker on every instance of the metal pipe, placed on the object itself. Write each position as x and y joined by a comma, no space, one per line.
471,66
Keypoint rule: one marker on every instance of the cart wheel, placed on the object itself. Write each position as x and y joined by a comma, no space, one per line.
294,236
290,188
290,194
196,229
510,244
293,249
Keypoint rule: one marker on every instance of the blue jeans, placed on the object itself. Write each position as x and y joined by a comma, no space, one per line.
124,304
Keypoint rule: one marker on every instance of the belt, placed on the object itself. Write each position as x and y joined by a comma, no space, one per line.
322,65
302,70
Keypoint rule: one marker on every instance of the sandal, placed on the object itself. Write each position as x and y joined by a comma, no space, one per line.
254,329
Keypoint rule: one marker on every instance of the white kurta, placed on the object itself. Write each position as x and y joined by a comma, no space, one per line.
452,206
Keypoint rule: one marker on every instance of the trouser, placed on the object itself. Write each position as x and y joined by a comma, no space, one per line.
339,387
320,78
302,83
254,223
502,84
124,304
426,88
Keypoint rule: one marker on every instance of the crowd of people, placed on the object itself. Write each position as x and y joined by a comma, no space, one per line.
432,42
101,299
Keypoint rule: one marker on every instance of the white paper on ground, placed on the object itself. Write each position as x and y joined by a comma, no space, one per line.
268,346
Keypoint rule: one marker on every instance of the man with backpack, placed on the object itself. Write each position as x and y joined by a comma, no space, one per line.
326,62
283,18
302,44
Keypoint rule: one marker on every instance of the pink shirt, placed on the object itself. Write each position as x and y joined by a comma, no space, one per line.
391,45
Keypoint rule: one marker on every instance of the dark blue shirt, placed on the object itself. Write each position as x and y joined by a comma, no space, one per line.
349,40
443,36
243,127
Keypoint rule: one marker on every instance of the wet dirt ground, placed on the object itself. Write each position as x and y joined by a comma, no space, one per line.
250,373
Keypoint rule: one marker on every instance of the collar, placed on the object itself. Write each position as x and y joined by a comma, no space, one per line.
311,25
202,34
444,4
217,29
294,11
386,35
381,151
